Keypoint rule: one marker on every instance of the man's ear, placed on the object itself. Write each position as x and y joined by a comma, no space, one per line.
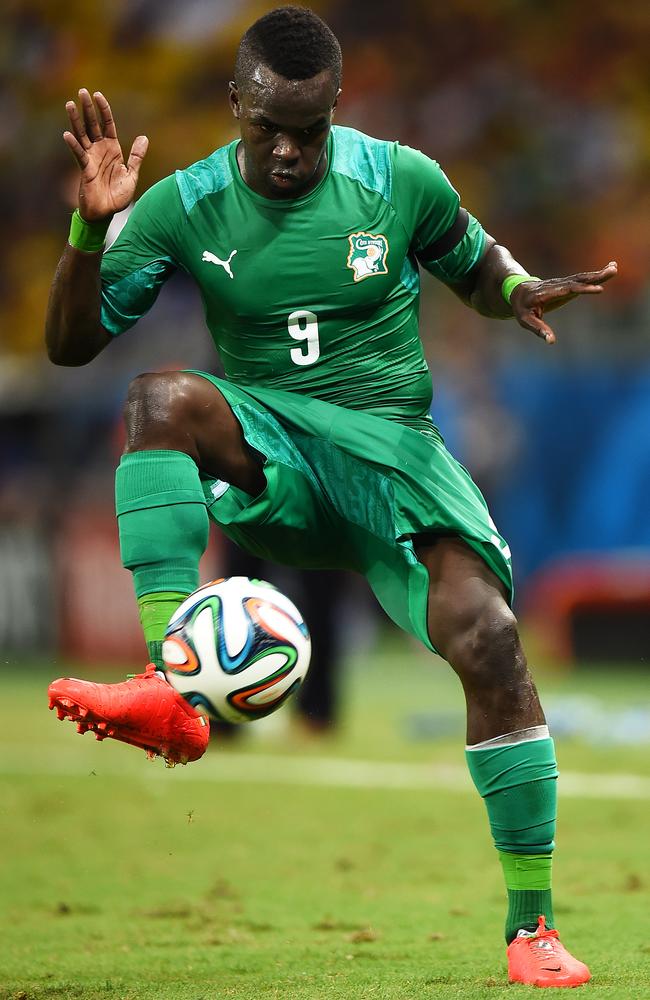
336,101
233,98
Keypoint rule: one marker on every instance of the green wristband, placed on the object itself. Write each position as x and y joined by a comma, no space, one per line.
89,237
511,282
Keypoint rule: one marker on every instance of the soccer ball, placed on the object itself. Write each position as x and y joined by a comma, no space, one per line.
236,648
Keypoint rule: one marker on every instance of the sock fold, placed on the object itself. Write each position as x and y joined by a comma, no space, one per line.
518,782
162,520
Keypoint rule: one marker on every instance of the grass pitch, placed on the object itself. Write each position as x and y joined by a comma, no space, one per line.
357,866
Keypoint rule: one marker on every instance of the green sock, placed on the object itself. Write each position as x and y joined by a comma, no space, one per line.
519,786
163,527
528,881
155,612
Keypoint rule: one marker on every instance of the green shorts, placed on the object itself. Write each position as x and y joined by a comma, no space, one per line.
347,489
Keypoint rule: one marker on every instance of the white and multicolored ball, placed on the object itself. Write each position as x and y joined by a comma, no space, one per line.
237,649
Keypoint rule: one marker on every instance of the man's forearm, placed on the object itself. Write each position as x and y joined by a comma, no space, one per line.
494,267
74,334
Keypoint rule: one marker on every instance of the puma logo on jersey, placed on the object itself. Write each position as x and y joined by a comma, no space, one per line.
211,258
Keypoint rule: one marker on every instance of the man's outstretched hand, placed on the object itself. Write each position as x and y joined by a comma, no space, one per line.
531,299
107,183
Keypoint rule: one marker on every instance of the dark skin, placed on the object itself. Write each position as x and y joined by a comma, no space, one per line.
284,126
283,154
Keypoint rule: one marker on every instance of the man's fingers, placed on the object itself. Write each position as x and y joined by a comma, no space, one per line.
75,147
90,115
596,277
569,287
585,281
106,115
565,286
76,124
608,272
137,154
592,277
552,296
534,322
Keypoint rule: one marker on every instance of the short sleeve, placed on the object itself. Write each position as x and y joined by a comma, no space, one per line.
445,238
142,258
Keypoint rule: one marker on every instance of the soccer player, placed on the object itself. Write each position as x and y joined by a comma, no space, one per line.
306,241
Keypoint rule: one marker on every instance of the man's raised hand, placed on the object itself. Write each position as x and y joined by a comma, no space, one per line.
107,183
531,299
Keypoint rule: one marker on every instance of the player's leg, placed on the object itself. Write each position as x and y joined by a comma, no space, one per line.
177,423
509,751
470,623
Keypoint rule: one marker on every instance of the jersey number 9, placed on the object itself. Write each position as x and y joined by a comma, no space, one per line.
303,325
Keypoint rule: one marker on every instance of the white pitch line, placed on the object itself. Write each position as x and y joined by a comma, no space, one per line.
283,769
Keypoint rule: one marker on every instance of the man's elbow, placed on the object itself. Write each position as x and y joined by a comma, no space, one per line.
74,355
64,360
61,354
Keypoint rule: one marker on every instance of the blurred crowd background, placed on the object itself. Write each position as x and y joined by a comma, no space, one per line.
540,115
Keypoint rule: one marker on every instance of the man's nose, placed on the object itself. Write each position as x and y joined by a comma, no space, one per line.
286,149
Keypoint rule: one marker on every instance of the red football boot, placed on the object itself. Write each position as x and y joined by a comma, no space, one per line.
540,959
144,711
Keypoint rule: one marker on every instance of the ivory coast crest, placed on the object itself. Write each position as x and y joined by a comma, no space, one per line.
368,254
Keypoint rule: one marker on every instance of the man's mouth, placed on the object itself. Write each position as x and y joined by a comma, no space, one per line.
284,178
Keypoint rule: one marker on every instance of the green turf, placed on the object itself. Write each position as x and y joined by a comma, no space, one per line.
122,880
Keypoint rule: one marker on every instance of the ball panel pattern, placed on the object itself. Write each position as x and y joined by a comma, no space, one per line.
237,648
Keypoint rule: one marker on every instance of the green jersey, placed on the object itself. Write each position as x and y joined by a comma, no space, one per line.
316,295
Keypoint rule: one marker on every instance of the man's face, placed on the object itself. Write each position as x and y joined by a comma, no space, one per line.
284,127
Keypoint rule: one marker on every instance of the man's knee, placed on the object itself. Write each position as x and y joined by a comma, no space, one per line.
179,411
159,398
484,646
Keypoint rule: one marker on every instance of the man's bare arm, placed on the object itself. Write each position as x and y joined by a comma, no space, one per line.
531,299
74,334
